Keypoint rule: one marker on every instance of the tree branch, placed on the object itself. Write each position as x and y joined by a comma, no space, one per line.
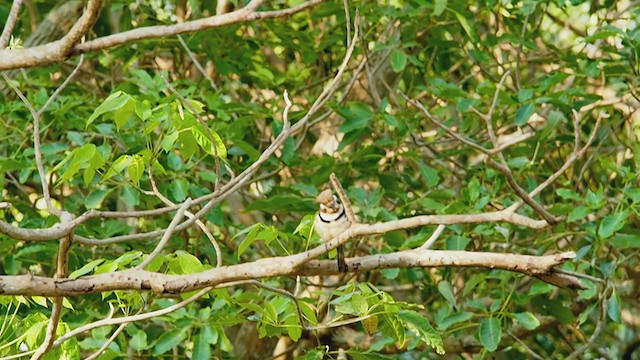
52,52
298,264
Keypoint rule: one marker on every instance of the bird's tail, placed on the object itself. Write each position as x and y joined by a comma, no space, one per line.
342,265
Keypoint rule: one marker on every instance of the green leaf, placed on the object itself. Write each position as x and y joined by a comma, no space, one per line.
169,140
87,268
490,333
123,114
120,164
249,239
201,348
438,7
456,242
568,194
168,340
468,28
114,102
578,213
202,138
429,174
612,223
454,319
130,196
139,340
188,263
143,110
94,200
613,307
179,190
525,95
524,113
84,153
398,60
356,116
136,169
421,326
446,290
465,105
625,241
527,319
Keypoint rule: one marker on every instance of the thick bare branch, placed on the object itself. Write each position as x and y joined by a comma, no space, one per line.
137,279
55,51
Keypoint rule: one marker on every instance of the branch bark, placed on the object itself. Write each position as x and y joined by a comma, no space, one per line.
56,51
299,264
66,47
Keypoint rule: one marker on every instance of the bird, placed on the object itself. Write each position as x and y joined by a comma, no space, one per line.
331,221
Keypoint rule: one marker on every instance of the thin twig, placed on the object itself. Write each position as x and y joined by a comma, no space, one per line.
432,239
106,344
56,308
551,219
446,129
197,63
596,333
64,84
130,319
494,103
167,235
572,159
347,17
156,192
284,293
10,23
524,345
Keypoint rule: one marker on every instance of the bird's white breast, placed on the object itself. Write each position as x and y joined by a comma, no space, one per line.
331,229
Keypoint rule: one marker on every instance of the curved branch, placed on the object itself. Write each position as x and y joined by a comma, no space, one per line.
56,51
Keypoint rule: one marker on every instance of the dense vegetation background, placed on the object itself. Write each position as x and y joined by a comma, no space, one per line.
449,107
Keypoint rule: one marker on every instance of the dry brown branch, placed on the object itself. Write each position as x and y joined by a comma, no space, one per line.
511,180
56,51
503,167
10,23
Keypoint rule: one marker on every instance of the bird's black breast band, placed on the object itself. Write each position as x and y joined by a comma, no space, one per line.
336,219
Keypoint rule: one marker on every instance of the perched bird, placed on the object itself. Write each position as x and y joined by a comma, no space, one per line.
331,221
